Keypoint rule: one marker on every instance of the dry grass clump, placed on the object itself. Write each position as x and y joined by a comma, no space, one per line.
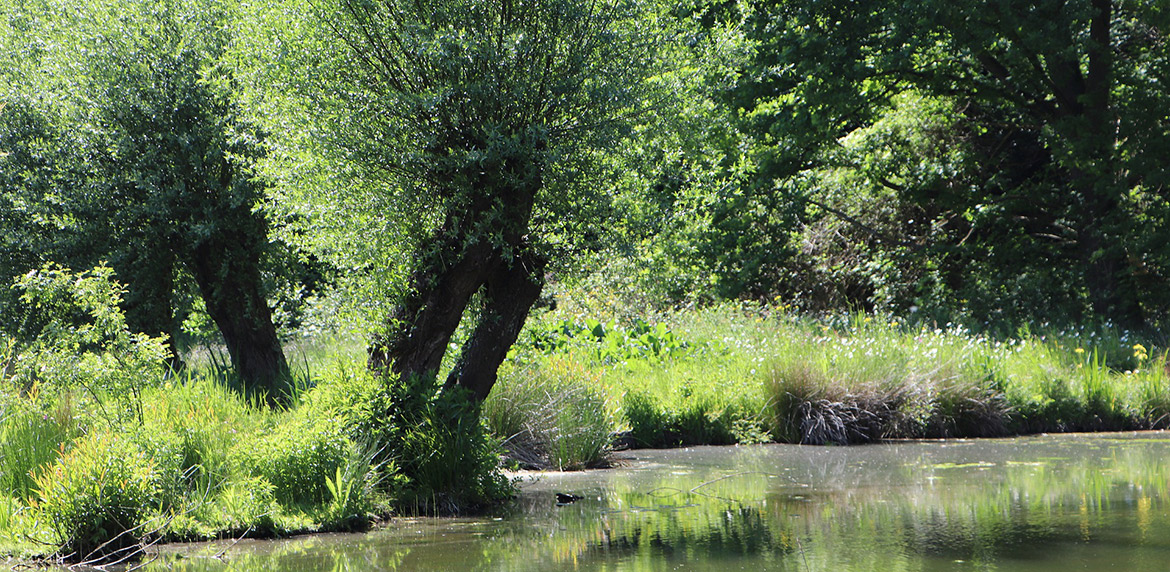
815,409
843,390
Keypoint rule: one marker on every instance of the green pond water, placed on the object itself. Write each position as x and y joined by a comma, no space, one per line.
1045,503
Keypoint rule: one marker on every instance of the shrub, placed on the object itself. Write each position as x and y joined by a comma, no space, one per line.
425,446
74,336
447,462
296,458
94,498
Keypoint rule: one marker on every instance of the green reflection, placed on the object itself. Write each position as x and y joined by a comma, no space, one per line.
1035,504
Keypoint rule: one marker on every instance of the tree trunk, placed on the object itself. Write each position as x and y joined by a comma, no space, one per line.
1108,273
423,324
228,275
509,294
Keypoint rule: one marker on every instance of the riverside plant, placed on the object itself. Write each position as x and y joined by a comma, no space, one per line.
95,498
551,416
755,373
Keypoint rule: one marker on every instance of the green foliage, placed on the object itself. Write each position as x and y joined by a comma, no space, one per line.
146,172
296,457
550,79
551,415
246,504
980,183
610,341
96,496
425,447
32,435
74,337
448,460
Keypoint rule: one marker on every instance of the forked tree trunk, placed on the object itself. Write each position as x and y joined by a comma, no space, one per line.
510,291
499,264
424,322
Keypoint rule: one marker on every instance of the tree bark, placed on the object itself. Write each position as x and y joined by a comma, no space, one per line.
423,324
510,291
228,275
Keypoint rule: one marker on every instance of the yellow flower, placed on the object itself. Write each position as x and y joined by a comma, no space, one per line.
1079,350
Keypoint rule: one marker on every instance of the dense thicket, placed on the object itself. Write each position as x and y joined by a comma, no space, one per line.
990,162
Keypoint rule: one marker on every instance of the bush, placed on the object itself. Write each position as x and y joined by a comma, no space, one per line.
425,446
95,496
296,458
74,336
446,459
550,416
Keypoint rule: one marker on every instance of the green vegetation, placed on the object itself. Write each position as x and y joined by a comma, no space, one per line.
97,460
548,227
759,373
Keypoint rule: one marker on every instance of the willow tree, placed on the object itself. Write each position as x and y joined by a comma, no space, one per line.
123,139
470,123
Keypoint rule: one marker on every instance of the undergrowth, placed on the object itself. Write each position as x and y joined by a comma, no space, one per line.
754,373
104,449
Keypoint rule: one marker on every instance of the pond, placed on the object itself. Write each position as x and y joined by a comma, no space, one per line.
1043,503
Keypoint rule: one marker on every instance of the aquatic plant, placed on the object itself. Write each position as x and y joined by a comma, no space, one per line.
95,498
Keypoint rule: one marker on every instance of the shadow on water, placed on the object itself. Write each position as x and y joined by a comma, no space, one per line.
1059,503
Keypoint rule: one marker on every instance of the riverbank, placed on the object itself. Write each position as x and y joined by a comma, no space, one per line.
154,456
1035,503
758,374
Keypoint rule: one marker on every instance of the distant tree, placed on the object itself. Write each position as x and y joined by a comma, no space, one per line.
1062,106
474,120
125,130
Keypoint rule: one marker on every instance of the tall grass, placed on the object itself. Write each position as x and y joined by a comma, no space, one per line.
753,372
552,416
32,435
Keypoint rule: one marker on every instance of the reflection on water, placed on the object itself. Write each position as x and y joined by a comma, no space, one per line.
1050,503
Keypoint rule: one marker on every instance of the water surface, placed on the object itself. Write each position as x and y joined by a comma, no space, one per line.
1044,503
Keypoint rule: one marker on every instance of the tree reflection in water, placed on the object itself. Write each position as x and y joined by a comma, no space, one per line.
1043,503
